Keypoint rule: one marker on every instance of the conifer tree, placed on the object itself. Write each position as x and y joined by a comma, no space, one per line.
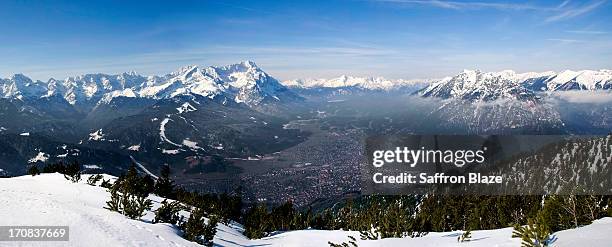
282,217
129,195
72,172
135,206
33,170
197,230
256,222
466,236
570,207
210,230
535,234
55,167
609,206
168,212
164,186
114,204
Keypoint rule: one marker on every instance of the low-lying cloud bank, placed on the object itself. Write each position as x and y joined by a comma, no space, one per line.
585,97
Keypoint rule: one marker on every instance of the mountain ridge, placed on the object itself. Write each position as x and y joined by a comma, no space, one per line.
246,83
243,82
370,83
476,85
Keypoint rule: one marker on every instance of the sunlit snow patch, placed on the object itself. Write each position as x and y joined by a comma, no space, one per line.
186,107
108,97
218,146
96,136
173,151
42,157
191,144
134,148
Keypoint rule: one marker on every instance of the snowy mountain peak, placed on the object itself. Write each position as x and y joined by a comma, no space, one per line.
21,79
244,82
248,64
19,86
470,71
184,71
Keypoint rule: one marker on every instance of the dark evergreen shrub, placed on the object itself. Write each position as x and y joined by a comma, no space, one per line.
94,179
210,230
256,222
106,183
114,204
196,229
466,236
352,242
129,195
55,167
72,172
135,206
33,170
168,212
535,234
164,186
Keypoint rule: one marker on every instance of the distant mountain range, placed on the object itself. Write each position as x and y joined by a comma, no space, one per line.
246,83
475,85
241,83
367,83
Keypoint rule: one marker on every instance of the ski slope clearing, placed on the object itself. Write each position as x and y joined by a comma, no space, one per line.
49,199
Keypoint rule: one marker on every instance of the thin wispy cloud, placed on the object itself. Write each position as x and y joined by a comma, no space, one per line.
568,12
591,97
566,41
587,32
563,4
239,21
469,5
563,11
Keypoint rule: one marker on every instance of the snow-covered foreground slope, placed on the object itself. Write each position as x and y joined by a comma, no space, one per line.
49,199
596,234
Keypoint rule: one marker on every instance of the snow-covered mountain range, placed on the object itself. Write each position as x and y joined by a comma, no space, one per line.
244,82
368,83
476,85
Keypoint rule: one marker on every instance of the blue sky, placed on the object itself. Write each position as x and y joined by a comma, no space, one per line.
297,39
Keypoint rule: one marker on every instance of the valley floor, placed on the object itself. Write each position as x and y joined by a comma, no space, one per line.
49,199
